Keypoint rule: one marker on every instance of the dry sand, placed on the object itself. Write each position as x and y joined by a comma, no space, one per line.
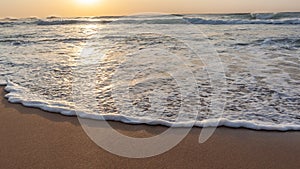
31,138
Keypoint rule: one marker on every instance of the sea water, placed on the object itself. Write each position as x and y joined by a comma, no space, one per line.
42,63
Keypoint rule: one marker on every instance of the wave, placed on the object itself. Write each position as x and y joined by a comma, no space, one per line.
10,19
172,21
18,94
70,22
106,17
53,17
286,43
214,19
241,21
6,23
15,42
295,41
280,15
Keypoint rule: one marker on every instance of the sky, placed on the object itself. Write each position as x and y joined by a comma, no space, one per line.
44,8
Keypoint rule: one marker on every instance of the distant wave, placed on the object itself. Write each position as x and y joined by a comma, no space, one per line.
173,21
241,21
280,15
53,17
286,18
69,22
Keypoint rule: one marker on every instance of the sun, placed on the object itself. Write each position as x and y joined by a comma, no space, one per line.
87,2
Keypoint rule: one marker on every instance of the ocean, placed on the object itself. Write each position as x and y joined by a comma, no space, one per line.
234,70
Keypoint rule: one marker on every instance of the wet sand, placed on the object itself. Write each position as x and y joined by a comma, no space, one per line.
32,138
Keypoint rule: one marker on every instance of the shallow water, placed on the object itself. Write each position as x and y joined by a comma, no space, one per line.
155,77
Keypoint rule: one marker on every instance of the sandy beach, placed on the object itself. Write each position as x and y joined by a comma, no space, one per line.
32,138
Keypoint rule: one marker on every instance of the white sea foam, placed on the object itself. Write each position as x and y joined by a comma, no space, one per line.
18,94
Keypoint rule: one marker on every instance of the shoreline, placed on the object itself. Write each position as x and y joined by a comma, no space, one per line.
222,122
33,138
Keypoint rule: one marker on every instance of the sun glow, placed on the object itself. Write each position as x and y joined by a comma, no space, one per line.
88,2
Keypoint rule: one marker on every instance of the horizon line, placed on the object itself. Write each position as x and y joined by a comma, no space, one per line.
192,13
